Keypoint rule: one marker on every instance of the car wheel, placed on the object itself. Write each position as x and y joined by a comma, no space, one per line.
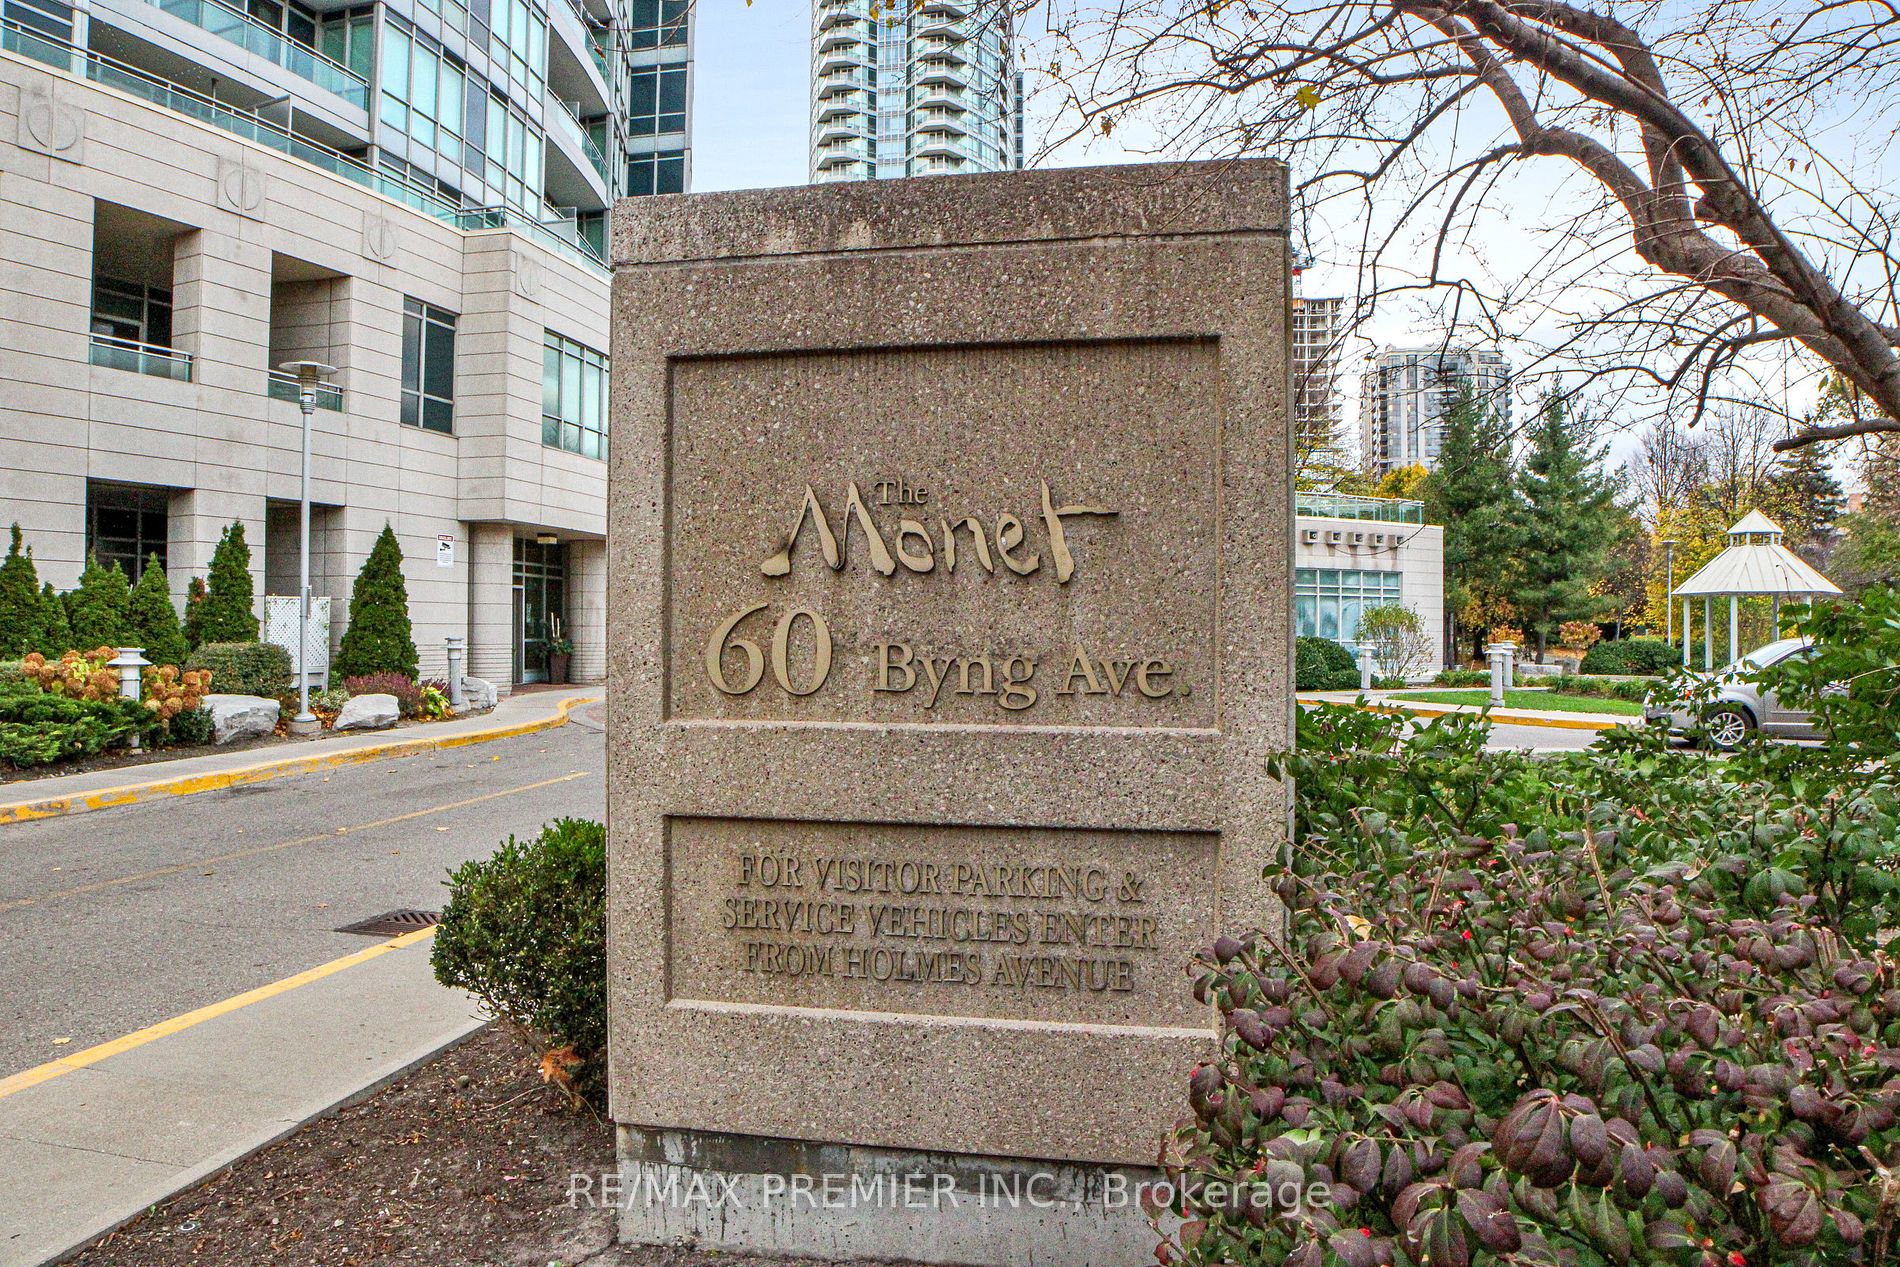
1728,726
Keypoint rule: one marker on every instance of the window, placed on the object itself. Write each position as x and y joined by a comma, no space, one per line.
573,397
132,311
663,173
350,39
424,91
127,524
657,102
1328,601
47,17
514,156
518,42
657,24
428,366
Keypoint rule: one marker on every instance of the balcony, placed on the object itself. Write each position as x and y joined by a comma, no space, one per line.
837,15
844,61
273,46
281,386
141,358
846,81
844,104
832,155
838,36
944,121
941,145
947,8
942,97
848,129
936,70
83,63
1386,510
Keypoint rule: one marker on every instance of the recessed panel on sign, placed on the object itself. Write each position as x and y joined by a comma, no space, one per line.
1007,534
1038,924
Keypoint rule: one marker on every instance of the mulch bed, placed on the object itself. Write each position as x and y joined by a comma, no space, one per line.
464,1162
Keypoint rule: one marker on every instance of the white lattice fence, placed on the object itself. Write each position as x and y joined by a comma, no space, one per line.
280,627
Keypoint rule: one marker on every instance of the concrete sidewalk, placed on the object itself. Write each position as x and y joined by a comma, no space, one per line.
26,799
1514,716
92,1140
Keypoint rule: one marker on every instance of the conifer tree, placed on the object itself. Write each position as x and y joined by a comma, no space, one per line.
1806,498
55,632
228,613
195,610
20,618
1471,493
1569,526
379,638
153,620
96,610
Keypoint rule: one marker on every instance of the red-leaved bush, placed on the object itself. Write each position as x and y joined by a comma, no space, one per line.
1638,1027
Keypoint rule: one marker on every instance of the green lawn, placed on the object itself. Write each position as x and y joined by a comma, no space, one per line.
1549,701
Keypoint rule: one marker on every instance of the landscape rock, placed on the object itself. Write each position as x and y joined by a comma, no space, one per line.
368,712
236,717
480,694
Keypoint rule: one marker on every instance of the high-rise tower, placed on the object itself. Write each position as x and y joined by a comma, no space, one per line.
923,90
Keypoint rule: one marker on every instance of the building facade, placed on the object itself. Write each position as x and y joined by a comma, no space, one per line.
1355,553
412,191
925,89
1318,333
1405,392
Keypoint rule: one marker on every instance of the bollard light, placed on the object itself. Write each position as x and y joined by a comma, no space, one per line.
457,698
131,664
1365,668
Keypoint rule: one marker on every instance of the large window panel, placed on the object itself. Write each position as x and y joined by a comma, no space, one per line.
428,366
573,397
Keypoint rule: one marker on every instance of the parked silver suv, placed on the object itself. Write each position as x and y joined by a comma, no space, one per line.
1740,706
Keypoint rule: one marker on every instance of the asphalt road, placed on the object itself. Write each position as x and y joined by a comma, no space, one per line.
115,919
1542,738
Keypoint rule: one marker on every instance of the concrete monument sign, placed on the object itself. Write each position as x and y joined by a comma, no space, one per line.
950,604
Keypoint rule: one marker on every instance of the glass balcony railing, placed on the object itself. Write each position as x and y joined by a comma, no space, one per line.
281,386
141,358
588,144
1385,510
161,92
273,46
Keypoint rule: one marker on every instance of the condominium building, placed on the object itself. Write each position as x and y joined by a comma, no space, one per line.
1405,392
1319,326
1351,554
412,191
913,90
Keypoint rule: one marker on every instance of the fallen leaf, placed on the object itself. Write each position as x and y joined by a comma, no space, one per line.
61,1042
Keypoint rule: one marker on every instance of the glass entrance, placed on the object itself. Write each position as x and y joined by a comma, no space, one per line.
540,604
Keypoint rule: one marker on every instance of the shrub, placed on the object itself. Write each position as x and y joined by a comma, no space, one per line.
1463,677
1320,664
244,668
195,595
1608,1007
43,728
228,613
330,701
152,621
1631,656
14,679
192,726
406,690
1398,638
378,638
170,693
56,632
526,932
1579,635
76,675
20,619
96,611
1852,683
433,703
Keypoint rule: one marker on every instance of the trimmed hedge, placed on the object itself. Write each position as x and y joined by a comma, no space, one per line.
1631,656
1320,664
526,932
245,668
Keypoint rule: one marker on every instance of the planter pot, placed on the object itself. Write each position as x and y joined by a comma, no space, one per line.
557,667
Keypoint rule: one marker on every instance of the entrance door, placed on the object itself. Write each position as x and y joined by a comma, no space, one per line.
540,605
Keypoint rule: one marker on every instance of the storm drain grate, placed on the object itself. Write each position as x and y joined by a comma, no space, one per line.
394,923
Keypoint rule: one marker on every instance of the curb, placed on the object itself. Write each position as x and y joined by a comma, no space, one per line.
1504,716
187,785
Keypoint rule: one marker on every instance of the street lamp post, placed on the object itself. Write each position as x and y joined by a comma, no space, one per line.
1669,590
310,375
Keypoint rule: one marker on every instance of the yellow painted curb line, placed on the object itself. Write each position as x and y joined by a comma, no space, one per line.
186,785
151,1033
1497,715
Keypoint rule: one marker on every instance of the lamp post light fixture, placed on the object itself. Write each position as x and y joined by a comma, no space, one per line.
310,375
1669,590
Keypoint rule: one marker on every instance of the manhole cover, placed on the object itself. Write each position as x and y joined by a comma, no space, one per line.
393,924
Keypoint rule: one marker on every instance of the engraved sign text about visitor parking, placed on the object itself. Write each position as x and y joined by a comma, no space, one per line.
926,539
1013,926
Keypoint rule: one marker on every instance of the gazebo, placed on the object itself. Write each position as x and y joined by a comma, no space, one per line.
1755,565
